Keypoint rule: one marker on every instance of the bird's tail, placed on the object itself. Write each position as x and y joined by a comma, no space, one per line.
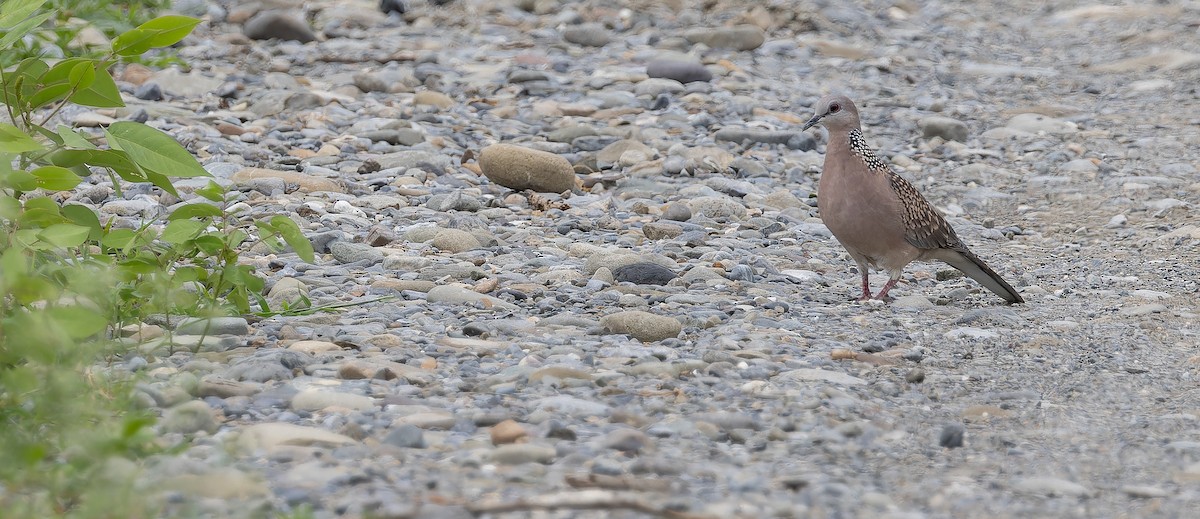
976,269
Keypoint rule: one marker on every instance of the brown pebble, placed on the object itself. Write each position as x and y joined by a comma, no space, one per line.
136,74
508,431
486,286
230,129
915,376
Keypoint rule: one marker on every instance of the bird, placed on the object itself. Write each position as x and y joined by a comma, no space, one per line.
880,218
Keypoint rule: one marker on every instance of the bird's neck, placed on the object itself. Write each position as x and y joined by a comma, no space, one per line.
852,141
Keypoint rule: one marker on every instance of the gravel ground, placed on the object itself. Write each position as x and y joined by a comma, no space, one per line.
650,318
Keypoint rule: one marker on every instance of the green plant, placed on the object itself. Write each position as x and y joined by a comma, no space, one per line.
71,18
69,280
203,241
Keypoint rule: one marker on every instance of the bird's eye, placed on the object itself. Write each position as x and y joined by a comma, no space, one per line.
835,108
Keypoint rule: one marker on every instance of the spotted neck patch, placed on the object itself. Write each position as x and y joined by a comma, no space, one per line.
858,145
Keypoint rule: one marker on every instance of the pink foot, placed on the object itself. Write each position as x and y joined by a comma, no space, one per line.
888,286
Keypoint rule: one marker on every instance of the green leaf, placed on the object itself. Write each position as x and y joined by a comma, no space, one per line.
154,150
45,132
73,138
209,244
19,180
10,208
64,235
163,31
102,93
22,28
56,178
118,238
115,160
13,140
139,265
85,216
77,321
47,94
236,237
180,231
213,191
22,81
294,237
29,239
66,76
14,11
185,274
41,212
13,265
197,210
162,182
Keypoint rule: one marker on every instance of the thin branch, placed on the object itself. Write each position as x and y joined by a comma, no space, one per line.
583,500
619,483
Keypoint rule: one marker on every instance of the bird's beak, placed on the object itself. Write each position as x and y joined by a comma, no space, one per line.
812,122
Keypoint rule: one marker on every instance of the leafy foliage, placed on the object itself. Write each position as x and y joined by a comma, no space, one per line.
69,280
31,36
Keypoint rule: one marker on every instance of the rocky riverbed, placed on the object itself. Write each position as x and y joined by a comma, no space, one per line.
651,319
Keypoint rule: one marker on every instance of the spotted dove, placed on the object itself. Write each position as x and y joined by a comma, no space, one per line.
879,217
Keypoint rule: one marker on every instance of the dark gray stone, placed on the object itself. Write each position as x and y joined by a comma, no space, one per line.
952,436
149,91
643,274
279,25
681,71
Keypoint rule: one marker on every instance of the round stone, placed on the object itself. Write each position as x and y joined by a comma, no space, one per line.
520,168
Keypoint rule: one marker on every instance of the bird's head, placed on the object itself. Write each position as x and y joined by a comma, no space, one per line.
834,112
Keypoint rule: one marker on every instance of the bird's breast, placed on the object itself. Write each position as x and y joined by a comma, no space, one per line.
861,209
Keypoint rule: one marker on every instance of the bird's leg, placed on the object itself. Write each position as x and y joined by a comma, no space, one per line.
866,284
887,286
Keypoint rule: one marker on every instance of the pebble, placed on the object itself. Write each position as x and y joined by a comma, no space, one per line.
213,326
303,182
588,35
518,453
225,483
519,168
1037,123
944,127
189,418
952,436
508,431
643,326
679,70
717,207
738,37
432,98
457,293
349,252
280,25
643,274
454,240
318,399
1144,491
314,347
1046,486
406,436
223,388
270,436
678,212
662,231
